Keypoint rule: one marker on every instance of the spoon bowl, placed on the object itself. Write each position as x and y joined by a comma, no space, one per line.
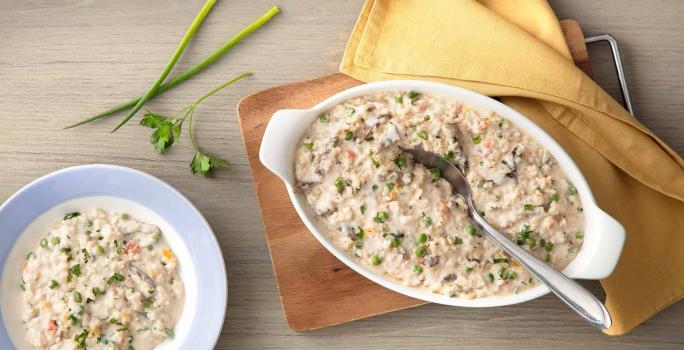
571,292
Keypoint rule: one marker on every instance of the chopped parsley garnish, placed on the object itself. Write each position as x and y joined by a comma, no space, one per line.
500,260
362,209
116,277
417,269
75,270
81,339
147,303
412,94
308,146
506,274
400,162
458,240
449,155
572,191
427,221
435,173
422,134
360,233
528,207
339,184
349,136
477,139
381,217
71,215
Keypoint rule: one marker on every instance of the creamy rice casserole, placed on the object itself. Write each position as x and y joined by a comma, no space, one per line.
100,280
403,220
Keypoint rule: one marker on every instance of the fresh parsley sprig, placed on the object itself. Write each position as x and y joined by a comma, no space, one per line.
167,132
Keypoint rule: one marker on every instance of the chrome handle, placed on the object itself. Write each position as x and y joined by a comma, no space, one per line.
617,59
571,292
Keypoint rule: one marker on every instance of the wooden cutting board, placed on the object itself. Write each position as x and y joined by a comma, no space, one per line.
317,290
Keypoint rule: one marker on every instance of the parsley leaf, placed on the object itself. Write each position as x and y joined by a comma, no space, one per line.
204,164
166,132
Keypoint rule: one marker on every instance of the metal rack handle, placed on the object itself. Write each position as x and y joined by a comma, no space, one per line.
627,101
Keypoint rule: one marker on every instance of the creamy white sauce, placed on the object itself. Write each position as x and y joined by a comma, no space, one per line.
100,280
404,221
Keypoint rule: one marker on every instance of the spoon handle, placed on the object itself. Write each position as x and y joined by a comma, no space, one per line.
571,292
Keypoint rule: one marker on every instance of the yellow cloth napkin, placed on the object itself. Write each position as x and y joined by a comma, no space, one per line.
516,50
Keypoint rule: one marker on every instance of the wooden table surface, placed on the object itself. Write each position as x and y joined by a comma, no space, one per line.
62,60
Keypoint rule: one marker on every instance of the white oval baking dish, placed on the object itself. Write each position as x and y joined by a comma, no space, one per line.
603,235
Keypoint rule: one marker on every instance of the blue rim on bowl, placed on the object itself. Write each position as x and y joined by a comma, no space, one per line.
206,308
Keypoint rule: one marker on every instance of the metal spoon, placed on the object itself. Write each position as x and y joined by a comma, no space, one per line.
573,294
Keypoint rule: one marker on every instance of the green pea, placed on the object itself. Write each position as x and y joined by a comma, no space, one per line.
308,146
348,135
44,243
531,242
395,242
324,118
548,246
579,235
422,238
572,191
78,297
421,251
376,260
470,229
54,240
53,284
555,197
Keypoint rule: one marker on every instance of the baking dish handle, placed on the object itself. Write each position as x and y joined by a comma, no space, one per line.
606,244
280,141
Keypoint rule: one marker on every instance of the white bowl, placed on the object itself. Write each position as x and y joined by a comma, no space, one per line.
25,215
603,236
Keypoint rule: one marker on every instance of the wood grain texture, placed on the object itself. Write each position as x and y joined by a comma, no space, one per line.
316,290
62,60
